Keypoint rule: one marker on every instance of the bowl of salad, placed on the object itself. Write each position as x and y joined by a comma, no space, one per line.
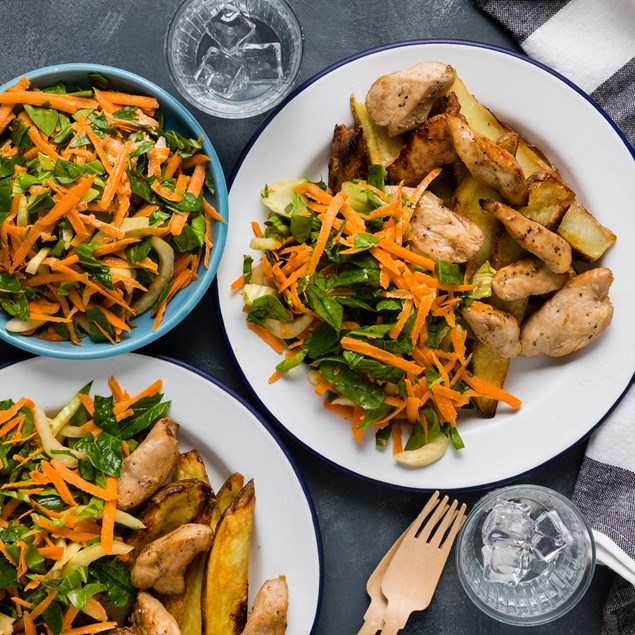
113,211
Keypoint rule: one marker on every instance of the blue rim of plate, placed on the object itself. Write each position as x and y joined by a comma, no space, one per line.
100,350
274,433
243,156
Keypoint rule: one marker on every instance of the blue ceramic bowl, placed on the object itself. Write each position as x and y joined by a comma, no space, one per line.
178,118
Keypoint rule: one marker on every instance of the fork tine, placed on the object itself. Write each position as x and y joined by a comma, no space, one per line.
414,527
454,530
434,519
437,537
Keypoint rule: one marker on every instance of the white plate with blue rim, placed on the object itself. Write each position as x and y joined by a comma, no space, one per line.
230,437
564,399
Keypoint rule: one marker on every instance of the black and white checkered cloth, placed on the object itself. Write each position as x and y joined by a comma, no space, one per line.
592,43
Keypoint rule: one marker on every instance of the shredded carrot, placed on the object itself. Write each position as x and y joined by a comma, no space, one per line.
357,346
325,229
276,343
486,389
90,629
72,478
108,520
65,103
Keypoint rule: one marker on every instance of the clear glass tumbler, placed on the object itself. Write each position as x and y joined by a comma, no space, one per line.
192,39
541,596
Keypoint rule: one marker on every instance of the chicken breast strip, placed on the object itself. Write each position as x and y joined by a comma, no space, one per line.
161,564
529,276
495,328
438,232
488,163
145,470
269,613
553,250
150,617
572,318
402,100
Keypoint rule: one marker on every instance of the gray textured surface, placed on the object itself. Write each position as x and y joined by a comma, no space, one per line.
359,520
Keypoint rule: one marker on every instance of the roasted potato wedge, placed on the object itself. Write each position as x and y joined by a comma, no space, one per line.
226,494
190,465
186,608
487,364
466,202
225,580
586,235
380,146
549,199
482,120
177,503
348,157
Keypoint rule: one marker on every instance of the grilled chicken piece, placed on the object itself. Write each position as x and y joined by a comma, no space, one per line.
572,318
402,100
553,250
348,157
150,617
428,147
161,564
529,276
145,470
269,613
488,163
495,328
438,233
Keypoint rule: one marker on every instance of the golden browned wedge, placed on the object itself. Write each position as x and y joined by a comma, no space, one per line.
177,503
586,235
190,465
226,494
466,202
380,147
549,199
225,582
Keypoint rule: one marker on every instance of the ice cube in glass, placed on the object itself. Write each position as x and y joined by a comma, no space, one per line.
220,72
508,520
549,536
230,28
263,62
505,562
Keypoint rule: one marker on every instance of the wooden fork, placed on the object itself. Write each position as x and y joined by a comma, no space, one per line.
413,572
374,616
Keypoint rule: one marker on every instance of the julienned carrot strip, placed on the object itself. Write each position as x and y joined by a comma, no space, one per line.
194,160
90,629
363,348
198,180
401,320
150,390
173,164
397,443
115,176
51,553
65,103
58,483
125,99
72,478
38,140
276,343
325,230
405,254
43,605
238,283
488,390
108,520
9,413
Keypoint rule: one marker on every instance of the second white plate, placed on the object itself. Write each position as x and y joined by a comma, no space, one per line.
230,438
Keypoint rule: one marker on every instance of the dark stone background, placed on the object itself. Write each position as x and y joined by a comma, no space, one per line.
359,520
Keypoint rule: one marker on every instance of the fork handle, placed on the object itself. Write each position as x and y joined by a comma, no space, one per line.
369,628
391,627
